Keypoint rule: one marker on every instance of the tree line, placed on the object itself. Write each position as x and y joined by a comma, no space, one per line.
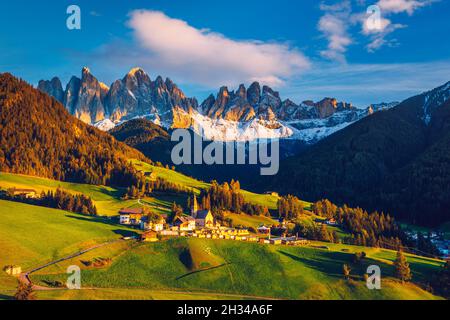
142,187
290,207
366,229
39,137
59,199
228,197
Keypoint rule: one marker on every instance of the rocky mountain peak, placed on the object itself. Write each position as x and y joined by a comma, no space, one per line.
254,93
54,87
135,71
269,91
85,71
91,97
170,85
257,108
242,92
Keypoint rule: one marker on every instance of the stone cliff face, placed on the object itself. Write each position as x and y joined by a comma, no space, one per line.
83,97
257,109
266,104
53,88
89,106
130,96
71,94
134,95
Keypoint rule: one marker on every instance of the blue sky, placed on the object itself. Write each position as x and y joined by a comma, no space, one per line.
305,49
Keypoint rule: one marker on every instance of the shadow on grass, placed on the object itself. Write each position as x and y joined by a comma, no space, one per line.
116,193
331,263
202,270
121,232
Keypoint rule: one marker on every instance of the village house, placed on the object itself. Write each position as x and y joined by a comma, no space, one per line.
26,193
169,233
149,236
145,224
185,223
242,232
153,225
131,216
272,193
264,230
276,241
234,232
300,242
13,270
331,222
294,241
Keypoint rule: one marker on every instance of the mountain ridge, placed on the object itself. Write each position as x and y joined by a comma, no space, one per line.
258,109
396,161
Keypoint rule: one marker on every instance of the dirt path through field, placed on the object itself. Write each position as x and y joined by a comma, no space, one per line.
25,276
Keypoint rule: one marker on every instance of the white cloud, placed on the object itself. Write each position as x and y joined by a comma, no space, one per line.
383,25
339,18
334,27
378,35
399,6
205,57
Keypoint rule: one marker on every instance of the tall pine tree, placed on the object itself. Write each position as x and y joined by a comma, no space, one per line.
402,270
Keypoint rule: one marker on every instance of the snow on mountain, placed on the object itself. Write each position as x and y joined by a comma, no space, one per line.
434,99
312,134
105,125
228,130
246,114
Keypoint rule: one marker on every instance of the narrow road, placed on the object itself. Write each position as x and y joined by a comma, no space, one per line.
25,276
145,203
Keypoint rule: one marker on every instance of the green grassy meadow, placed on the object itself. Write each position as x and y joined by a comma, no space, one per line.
219,268
179,178
182,268
108,200
250,221
31,236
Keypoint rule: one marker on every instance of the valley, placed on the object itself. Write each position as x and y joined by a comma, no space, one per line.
215,268
140,229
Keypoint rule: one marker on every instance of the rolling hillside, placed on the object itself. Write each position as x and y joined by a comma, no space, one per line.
108,200
39,137
182,268
31,236
251,270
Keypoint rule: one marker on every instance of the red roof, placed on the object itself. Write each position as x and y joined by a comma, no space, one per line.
184,219
131,211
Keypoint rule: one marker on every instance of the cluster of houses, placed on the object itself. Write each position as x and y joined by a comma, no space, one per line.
200,224
438,239
442,244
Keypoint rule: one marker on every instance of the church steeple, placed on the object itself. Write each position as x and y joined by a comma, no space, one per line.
194,206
